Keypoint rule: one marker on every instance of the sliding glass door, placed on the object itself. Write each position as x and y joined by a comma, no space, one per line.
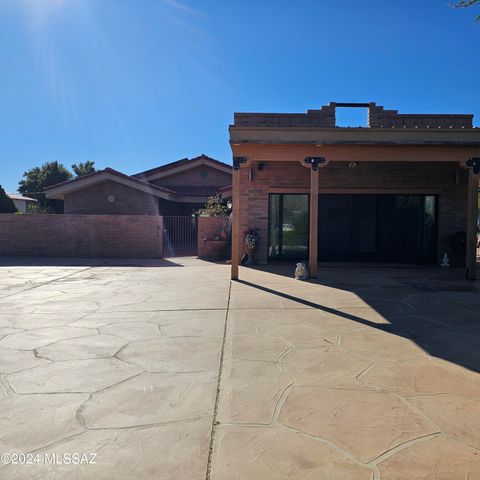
377,227
288,226
355,227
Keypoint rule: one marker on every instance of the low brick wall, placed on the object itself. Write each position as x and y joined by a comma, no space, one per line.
208,229
89,236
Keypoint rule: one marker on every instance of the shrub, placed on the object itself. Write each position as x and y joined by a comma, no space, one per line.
6,203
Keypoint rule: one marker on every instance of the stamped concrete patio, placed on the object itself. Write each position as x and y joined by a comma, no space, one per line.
167,370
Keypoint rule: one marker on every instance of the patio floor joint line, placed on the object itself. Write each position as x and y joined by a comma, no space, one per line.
217,396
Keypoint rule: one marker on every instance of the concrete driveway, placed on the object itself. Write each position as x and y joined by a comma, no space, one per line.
167,370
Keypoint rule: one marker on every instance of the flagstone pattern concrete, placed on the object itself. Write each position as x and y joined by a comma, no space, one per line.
175,372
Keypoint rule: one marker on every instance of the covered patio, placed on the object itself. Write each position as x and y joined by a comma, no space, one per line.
435,158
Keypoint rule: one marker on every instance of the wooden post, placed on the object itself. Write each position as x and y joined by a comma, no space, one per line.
236,215
472,212
313,240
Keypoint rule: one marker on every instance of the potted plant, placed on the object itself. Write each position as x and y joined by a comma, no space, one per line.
250,240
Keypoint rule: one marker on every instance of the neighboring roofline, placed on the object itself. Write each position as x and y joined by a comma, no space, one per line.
108,174
182,165
225,191
154,170
19,196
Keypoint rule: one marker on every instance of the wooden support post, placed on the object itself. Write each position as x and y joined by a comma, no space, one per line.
472,212
236,215
313,240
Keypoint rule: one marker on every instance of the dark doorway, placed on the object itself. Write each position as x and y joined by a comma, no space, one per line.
390,228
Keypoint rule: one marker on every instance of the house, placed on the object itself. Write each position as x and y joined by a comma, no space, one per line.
403,189
21,202
178,188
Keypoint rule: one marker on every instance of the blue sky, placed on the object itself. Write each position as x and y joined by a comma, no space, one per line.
132,84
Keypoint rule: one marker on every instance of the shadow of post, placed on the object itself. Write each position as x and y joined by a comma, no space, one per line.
436,309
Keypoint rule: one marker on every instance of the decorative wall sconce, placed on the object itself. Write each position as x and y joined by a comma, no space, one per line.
250,174
352,165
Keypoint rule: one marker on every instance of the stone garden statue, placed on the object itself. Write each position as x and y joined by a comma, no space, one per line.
301,271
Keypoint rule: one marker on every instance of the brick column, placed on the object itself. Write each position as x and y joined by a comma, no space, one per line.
472,212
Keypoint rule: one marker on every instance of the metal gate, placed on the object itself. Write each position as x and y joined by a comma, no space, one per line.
180,236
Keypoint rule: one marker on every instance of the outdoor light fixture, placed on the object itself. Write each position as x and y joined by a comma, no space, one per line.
250,174
474,164
352,165
229,204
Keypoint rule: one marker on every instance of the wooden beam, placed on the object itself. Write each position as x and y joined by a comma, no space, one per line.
313,240
359,153
472,212
237,161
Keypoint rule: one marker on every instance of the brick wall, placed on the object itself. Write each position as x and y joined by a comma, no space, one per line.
378,117
324,117
395,176
90,236
94,200
208,229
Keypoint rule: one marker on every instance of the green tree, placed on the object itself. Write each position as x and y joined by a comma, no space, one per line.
466,4
84,168
215,207
37,179
6,203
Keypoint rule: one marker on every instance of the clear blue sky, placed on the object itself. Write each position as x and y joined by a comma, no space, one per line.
132,84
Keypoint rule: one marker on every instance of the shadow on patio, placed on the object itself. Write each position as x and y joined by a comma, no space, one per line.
436,309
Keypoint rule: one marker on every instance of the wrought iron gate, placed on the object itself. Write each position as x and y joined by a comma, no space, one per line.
180,236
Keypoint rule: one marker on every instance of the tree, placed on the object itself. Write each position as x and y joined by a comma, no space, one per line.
37,179
466,4
215,207
6,203
82,169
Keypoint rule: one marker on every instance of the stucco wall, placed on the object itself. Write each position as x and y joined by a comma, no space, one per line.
394,177
95,200
90,236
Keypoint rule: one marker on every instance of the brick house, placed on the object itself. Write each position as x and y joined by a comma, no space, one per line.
177,188
402,189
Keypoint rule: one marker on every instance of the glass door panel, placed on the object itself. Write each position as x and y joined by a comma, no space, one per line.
288,226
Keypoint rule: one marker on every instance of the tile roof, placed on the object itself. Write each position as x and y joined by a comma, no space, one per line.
178,163
114,172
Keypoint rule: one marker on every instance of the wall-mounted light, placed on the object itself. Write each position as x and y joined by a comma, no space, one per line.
250,174
352,164
229,204
111,198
